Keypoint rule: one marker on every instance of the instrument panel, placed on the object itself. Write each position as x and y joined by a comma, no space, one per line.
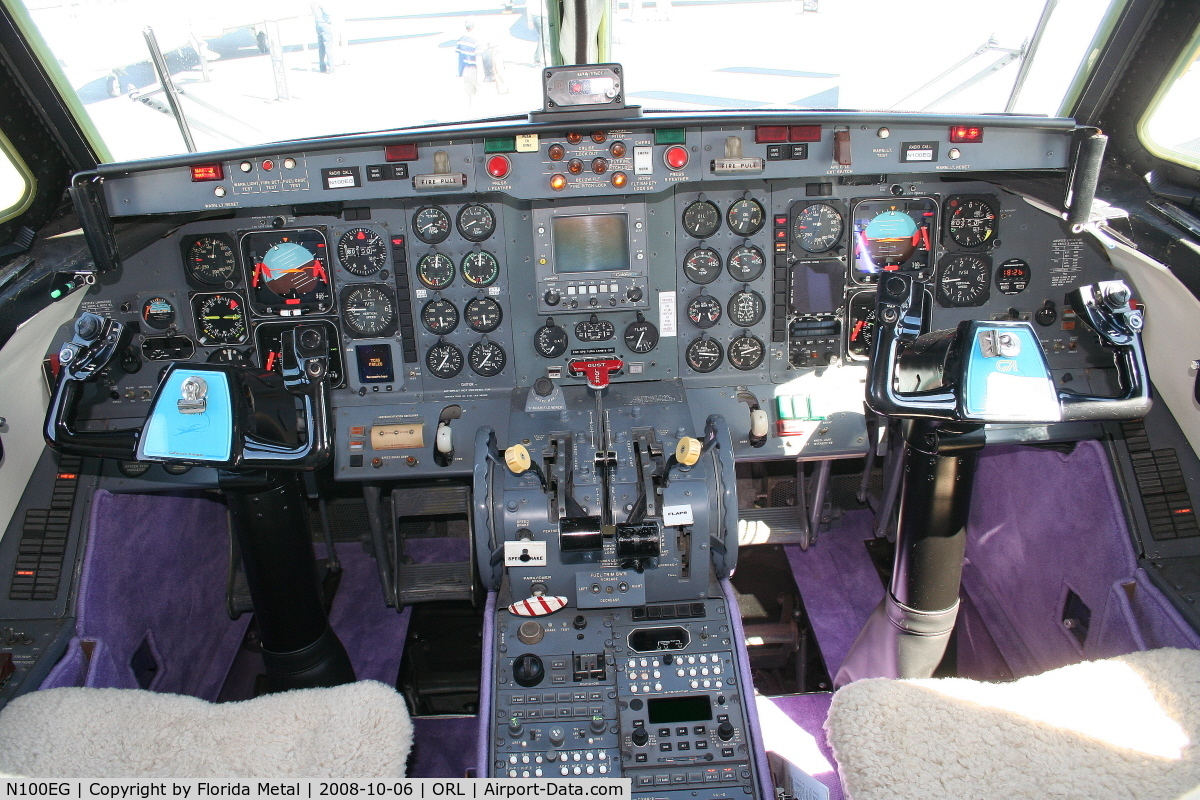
736,277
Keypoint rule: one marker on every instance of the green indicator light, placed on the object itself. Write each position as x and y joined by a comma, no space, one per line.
669,136
500,144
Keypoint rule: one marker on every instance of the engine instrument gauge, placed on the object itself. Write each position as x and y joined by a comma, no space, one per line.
641,336
1012,276
704,311
702,265
861,327
209,260
971,221
220,318
480,268
431,224
817,228
704,354
483,314
487,358
746,217
550,341
476,222
746,263
362,252
288,272
964,280
435,270
701,219
747,352
444,360
747,308
158,313
439,316
594,330
369,311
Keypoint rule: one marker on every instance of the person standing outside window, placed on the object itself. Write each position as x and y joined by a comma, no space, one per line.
467,50
324,21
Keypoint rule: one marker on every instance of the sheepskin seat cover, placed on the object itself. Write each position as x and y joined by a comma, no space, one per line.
355,730
1123,727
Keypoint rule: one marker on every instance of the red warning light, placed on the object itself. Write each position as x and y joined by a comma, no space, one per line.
966,134
770,133
804,133
208,172
400,152
268,165
676,157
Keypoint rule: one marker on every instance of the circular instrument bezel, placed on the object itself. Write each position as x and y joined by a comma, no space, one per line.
192,247
735,361
693,349
443,328
736,272
733,308
558,344
811,242
970,280
241,327
470,313
694,208
432,213
967,236
689,265
473,356
444,369
631,336
423,267
479,256
738,221
699,311
470,230
363,264
377,328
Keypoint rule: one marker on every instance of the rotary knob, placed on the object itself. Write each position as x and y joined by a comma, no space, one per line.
528,670
557,736
633,293
552,297
725,731
639,737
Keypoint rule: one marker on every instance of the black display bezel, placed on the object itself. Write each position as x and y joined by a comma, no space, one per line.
265,307
385,332
196,283
948,240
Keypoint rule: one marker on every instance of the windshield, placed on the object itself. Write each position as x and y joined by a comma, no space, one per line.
254,71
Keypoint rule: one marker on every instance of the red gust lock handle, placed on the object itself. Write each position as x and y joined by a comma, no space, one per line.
596,372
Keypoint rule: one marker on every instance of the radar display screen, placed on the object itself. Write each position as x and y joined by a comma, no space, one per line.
590,243
288,272
893,234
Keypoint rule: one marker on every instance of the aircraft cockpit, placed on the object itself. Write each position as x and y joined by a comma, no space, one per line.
721,447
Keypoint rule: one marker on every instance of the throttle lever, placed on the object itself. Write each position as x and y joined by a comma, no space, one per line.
1106,309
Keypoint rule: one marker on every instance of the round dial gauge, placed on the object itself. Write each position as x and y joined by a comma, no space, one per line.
641,336
158,313
747,308
431,224
746,262
704,354
480,268
701,219
862,325
704,311
817,228
229,355
362,251
964,280
483,315
594,330
550,341
368,310
487,358
476,222
435,270
210,261
1012,277
746,217
220,318
747,352
439,316
702,265
444,360
971,222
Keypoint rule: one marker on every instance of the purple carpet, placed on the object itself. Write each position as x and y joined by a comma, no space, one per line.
1045,524
838,584
443,747
372,633
793,728
153,578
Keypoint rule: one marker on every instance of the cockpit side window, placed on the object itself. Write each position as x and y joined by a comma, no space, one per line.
1170,129
17,183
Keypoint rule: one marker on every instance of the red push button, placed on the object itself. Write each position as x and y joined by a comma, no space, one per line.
498,167
597,372
676,157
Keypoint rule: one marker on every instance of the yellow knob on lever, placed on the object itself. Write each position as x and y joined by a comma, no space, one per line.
687,451
517,459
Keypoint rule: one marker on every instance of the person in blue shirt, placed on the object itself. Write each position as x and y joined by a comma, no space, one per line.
324,21
467,50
